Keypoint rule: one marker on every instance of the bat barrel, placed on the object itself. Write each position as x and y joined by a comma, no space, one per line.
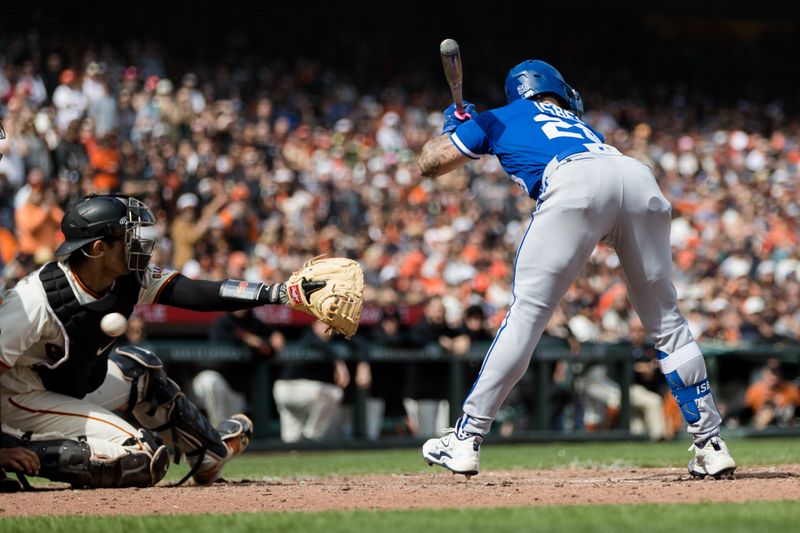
449,48
451,63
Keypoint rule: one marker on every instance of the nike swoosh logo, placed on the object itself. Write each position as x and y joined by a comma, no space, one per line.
106,347
440,455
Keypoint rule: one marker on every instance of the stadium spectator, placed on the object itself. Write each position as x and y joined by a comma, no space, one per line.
186,230
386,390
601,396
772,399
475,329
426,405
104,162
648,391
308,393
222,389
71,158
69,100
37,219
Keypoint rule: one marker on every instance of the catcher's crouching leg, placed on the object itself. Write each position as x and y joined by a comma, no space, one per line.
95,463
164,408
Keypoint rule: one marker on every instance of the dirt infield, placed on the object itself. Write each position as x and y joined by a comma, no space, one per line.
413,491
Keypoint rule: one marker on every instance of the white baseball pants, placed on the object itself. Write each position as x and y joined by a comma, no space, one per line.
590,198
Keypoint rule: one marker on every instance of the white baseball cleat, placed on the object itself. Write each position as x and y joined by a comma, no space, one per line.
459,455
713,459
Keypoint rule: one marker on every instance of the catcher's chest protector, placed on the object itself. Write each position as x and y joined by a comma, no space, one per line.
87,347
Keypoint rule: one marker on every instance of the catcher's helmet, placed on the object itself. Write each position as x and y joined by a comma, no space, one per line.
109,217
534,77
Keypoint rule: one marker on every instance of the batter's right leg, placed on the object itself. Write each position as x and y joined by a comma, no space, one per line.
641,239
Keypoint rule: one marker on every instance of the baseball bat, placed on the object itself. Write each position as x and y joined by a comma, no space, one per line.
451,62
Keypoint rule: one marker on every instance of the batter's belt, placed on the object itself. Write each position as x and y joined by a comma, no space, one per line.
579,149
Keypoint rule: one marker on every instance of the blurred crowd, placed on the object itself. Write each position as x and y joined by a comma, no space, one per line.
252,168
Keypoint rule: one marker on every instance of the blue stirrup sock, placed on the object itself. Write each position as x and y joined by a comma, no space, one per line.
686,395
686,365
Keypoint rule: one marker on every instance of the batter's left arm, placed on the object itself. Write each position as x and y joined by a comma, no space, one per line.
440,156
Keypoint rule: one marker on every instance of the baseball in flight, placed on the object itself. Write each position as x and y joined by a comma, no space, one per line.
114,324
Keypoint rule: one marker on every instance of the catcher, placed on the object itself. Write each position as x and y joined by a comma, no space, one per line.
68,392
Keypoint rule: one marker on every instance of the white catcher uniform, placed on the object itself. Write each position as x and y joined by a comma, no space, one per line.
64,380
29,335
587,192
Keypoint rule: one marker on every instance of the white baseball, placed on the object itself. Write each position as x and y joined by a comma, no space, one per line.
114,324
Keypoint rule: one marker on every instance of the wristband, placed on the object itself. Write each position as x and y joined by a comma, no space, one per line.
232,289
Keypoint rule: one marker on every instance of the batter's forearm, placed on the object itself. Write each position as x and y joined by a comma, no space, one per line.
440,156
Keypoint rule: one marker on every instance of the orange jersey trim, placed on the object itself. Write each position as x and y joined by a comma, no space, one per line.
163,286
83,285
62,413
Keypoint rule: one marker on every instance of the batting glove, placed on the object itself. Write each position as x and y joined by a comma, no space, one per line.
453,119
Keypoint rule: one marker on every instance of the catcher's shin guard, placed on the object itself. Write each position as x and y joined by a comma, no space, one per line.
167,410
85,464
159,405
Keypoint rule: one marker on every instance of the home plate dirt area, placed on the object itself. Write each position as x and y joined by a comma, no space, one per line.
416,491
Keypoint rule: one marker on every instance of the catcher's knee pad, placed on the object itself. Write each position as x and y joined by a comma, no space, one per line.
137,365
98,464
685,372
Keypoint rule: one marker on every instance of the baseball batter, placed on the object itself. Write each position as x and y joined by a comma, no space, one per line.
96,414
587,192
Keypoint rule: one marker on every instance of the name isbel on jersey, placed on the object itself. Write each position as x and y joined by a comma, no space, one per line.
553,109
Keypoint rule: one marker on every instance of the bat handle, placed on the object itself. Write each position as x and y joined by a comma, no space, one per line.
460,109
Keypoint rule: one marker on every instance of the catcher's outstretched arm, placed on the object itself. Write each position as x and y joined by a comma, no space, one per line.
226,295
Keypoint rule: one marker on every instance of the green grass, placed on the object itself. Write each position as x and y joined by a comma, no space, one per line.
495,456
501,457
772,516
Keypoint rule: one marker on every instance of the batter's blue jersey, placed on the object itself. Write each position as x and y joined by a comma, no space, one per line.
525,136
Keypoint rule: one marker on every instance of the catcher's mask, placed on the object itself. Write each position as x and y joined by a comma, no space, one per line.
110,217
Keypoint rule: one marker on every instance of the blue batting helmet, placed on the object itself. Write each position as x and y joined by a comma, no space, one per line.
534,77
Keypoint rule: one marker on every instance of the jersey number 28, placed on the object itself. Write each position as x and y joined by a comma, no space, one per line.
555,127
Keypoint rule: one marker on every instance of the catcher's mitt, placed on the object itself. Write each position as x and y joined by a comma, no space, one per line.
339,302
